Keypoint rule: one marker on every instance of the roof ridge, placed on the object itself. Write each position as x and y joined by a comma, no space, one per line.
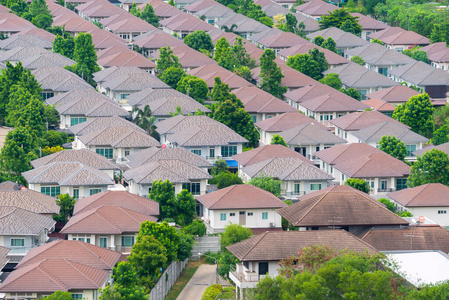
93,253
49,275
371,229
45,169
229,190
359,239
263,235
312,207
73,265
79,170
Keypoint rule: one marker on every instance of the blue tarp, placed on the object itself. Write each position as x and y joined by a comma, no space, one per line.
232,163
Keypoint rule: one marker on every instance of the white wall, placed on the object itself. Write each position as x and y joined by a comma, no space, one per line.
430,213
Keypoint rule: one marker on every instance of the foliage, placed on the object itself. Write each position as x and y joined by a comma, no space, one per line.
220,166
145,120
333,80
39,14
271,74
50,150
328,43
431,167
312,64
351,92
417,114
199,40
147,14
185,208
441,135
194,87
437,291
390,205
342,19
244,72
233,57
185,246
221,48
66,203
167,60
268,184
163,193
64,46
416,54
59,295
51,116
226,179
232,234
126,284
358,60
55,138
172,76
358,184
212,292
441,116
278,140
197,227
393,146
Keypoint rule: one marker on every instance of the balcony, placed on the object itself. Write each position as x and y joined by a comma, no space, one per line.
293,194
213,157
244,278
385,190
312,157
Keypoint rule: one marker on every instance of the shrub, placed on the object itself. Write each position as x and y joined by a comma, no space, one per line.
212,292
196,228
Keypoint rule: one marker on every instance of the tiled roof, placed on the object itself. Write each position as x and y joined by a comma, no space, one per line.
188,57
240,196
215,11
342,38
4,9
9,186
29,200
364,119
378,55
339,206
426,195
422,74
153,154
99,9
309,134
134,82
244,24
84,156
24,40
275,38
333,102
162,9
209,72
126,59
113,72
126,23
73,23
120,199
67,174
156,39
13,24
103,39
395,94
257,100
199,5
75,96
106,220
119,137
206,135
331,57
96,124
59,80
340,153
274,246
92,107
80,252
369,23
38,32
266,152
18,221
173,170
399,36
185,22
112,50
45,60
286,121
292,79
316,8
179,123
437,52
374,133
379,105
19,53
443,147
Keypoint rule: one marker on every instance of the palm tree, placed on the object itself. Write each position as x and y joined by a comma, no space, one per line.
227,29
145,120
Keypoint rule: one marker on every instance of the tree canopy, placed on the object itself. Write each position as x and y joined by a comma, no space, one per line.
199,40
194,87
441,135
167,59
431,167
333,80
271,75
278,140
342,19
358,60
312,64
232,234
358,184
268,184
393,146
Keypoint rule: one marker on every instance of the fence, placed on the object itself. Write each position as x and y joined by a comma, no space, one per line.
167,279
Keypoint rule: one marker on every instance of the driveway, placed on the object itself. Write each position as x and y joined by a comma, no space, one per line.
203,277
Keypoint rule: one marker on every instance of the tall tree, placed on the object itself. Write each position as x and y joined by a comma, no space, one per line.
393,146
332,80
164,233
163,193
40,14
271,75
172,76
342,19
194,87
67,204
358,184
199,40
330,45
221,48
232,234
85,57
186,208
431,167
148,15
145,120
441,135
167,59
268,184
278,140
64,46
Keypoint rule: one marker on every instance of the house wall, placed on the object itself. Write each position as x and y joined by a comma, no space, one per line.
114,241
440,65
434,213
84,190
310,149
143,189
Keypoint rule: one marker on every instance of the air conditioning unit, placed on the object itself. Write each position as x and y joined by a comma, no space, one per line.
271,224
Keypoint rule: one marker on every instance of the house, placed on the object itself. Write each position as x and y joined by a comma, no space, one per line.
193,7
260,255
243,204
308,138
438,55
103,39
78,106
316,9
429,200
395,95
35,57
95,11
96,124
285,3
379,58
24,40
40,33
183,24
399,39
115,142
112,227
71,178
72,23
11,24
369,25
372,134
244,26
443,147
276,39
380,105
127,58
310,24
271,126
84,156
323,103
202,136
210,71
184,176
344,41
22,230
28,200
426,78
339,207
188,57
261,105
383,172
213,13
126,26
162,9
363,80
153,40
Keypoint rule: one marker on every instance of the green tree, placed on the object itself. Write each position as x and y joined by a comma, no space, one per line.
225,179
145,120
186,208
85,57
390,205
278,140
163,193
416,54
148,15
194,87
40,14
417,113
244,72
66,203
235,57
318,40
342,19
42,21
38,7
126,284
358,184
393,146
332,80
172,76
312,64
232,234
330,45
64,46
351,92
441,116
268,184
271,75
185,246
59,295
221,48
55,138
52,117
290,25
220,166
358,60
441,135
431,167
167,59
197,227
168,236
199,40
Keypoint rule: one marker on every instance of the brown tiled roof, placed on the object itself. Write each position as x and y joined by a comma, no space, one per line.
275,38
156,39
340,153
368,23
80,252
379,105
443,147
73,23
29,200
162,9
274,246
18,221
210,71
117,198
316,8
119,137
240,196
333,102
188,57
95,124
286,121
206,135
399,36
106,220
360,120
41,33
263,153
414,238
309,134
13,24
437,52
395,94
126,59
185,22
103,39
99,8
432,194
292,79
342,38
4,259
331,57
115,49
126,23
4,9
339,206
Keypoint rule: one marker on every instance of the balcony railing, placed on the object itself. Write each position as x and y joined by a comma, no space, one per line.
312,157
385,190
213,157
293,194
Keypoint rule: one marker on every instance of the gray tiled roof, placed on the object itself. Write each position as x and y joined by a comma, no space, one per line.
96,124
244,24
215,11
20,53
74,96
443,147
420,73
24,40
206,135
378,55
342,38
92,107
59,80
111,72
29,200
179,122
67,174
134,82
309,134
118,137
45,60
17,221
375,132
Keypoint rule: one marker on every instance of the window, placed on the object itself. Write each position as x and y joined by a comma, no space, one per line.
77,296
76,193
264,216
383,71
104,242
254,118
297,188
212,152
315,186
193,187
17,242
210,21
223,217
362,94
75,121
263,268
127,240
232,214
106,152
46,95
442,212
196,151
410,149
228,151
250,214
94,191
123,96
51,190
401,183
127,151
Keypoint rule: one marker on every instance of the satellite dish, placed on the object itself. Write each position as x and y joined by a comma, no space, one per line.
164,146
421,219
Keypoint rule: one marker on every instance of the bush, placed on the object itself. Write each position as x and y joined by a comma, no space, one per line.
196,228
212,292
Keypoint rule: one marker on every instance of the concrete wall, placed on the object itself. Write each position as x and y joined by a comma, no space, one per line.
84,191
167,279
430,213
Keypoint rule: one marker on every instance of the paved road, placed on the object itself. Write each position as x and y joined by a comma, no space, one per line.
203,277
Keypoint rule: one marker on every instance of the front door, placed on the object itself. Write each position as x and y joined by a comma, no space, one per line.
242,218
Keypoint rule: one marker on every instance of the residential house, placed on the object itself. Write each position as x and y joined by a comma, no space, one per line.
72,23
379,58
35,57
260,104
28,200
181,3
260,255
310,24
96,124
127,58
126,26
363,80
193,7
213,13
395,95
339,207
127,4
344,41
188,57
84,156
399,39
438,55
380,105
271,126
383,172
40,33
103,39
11,24
184,176
210,71
162,9
243,204
443,147
426,78
276,39
369,25
183,24
202,136
429,200
285,3
102,76
243,26
316,9
153,40
22,230
95,11
71,178
112,227
24,40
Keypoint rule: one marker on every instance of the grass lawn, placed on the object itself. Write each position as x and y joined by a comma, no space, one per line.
185,276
